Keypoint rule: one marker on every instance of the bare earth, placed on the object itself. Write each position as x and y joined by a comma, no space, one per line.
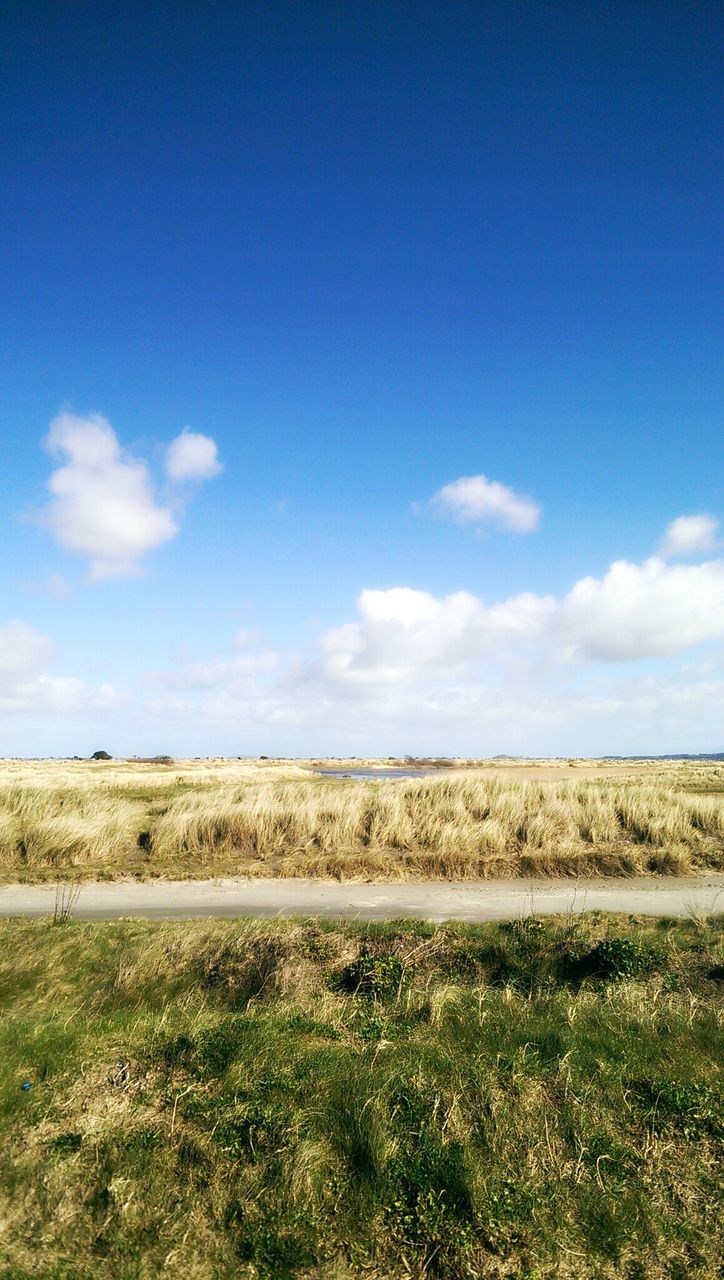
485,900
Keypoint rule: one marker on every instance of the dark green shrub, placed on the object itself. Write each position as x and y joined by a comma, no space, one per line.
280,1245
369,1025
252,1128
614,958
531,955
376,975
430,1207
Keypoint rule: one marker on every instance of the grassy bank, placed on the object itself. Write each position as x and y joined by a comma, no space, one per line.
299,1100
237,818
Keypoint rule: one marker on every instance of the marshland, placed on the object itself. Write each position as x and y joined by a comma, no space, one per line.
471,820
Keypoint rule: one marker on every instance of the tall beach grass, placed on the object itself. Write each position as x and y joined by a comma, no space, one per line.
283,820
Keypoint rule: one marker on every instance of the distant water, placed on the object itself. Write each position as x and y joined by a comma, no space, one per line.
362,775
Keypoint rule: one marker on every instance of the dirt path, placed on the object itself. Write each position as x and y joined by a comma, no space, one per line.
485,900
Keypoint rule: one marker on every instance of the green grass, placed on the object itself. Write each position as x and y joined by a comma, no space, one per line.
291,1099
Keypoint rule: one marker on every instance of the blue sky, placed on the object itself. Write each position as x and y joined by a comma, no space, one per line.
348,256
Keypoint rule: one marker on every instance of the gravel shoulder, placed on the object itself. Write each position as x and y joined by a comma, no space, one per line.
471,901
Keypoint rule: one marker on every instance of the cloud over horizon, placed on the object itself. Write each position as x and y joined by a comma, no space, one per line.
634,612
613,664
411,663
25,685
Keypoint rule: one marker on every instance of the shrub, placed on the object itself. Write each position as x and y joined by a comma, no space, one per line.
614,958
376,975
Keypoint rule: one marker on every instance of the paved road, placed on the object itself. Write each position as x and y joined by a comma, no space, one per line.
484,900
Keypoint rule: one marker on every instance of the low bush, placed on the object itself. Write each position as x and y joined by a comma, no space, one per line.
373,974
614,958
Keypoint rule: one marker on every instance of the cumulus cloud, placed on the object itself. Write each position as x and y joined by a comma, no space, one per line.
522,671
643,611
102,505
402,632
477,500
632,612
192,456
597,668
689,535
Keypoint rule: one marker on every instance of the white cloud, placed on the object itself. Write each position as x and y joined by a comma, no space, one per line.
477,500
599,668
192,456
59,695
640,611
525,674
401,633
24,685
445,711
23,651
102,504
689,535
633,612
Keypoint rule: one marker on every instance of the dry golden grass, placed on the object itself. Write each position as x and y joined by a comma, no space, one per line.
281,819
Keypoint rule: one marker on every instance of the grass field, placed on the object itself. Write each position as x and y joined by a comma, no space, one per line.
238,1100
196,818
